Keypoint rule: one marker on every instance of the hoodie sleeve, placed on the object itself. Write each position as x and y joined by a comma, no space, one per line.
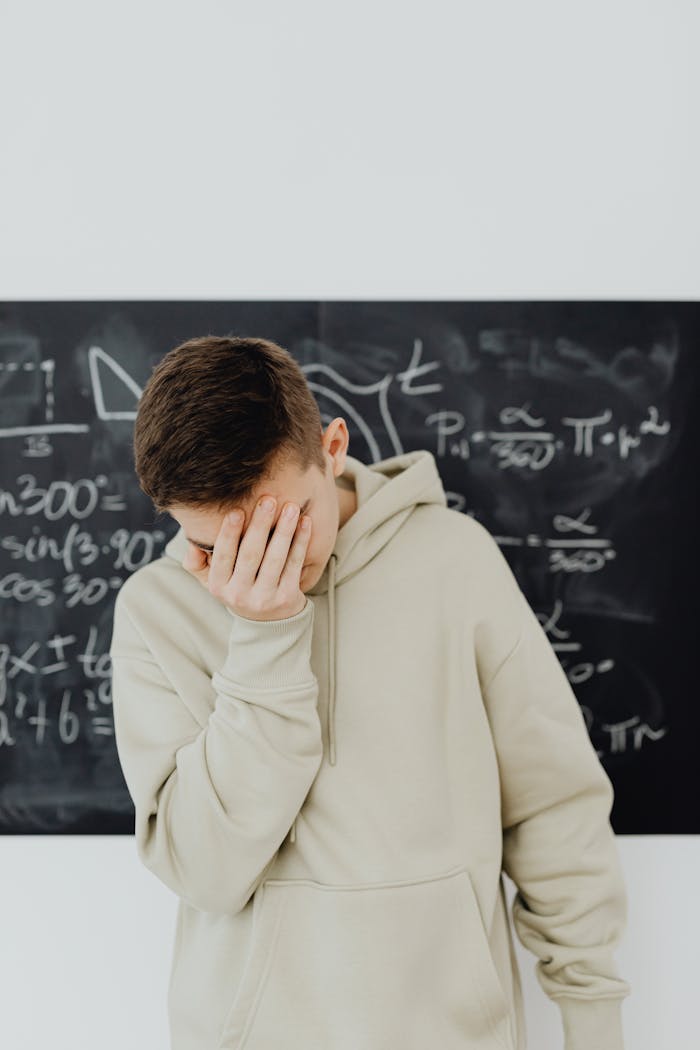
214,804
559,848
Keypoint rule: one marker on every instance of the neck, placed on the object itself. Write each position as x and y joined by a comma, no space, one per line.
347,500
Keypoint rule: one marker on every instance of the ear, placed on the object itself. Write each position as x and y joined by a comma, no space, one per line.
338,439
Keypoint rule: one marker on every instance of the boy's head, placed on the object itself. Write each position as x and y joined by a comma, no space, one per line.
224,420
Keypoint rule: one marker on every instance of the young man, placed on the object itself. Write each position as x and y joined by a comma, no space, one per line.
337,738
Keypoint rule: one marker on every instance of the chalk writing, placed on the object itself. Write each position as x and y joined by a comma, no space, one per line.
559,426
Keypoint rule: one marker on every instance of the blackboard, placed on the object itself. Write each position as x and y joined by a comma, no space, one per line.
569,429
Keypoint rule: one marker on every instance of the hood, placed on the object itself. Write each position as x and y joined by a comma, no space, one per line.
387,493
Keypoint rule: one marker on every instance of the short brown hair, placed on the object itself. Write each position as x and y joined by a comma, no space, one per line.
217,415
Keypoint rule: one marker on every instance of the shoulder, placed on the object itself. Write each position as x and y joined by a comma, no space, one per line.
464,540
149,580
159,594
474,572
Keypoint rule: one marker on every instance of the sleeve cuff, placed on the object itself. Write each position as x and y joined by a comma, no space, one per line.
269,654
591,1023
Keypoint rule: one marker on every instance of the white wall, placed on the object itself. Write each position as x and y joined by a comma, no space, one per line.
264,150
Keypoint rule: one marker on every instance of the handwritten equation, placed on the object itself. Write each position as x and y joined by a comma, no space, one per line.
81,709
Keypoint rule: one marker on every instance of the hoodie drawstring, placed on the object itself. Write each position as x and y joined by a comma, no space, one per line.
331,673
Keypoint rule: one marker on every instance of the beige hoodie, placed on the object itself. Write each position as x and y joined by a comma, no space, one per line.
333,796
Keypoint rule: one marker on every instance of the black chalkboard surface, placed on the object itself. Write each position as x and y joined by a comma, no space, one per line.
569,429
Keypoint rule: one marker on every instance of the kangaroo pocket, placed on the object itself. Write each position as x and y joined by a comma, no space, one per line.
368,968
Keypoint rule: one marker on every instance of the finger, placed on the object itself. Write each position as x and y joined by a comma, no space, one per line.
226,544
295,561
251,548
277,550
